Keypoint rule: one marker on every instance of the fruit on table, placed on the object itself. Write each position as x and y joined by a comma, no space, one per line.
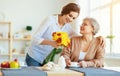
14,64
5,64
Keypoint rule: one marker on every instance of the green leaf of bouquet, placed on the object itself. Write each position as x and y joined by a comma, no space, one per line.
58,50
50,57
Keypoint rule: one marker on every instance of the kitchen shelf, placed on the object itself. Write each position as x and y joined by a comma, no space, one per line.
9,39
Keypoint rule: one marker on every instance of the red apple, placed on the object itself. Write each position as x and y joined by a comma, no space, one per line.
5,64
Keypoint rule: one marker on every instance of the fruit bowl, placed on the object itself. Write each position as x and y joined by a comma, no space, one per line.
10,64
10,68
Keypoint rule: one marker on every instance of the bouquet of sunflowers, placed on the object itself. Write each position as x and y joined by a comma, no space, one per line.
62,40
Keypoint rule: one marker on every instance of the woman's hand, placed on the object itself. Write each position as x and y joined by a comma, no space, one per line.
102,41
54,44
49,42
68,62
82,64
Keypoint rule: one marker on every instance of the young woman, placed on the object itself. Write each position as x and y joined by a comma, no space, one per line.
42,43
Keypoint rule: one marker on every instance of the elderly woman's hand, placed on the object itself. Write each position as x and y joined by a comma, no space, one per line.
82,64
68,62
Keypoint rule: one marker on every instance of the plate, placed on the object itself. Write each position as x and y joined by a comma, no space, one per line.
10,68
73,66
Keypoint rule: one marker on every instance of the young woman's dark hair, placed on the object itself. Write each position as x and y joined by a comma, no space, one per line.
69,8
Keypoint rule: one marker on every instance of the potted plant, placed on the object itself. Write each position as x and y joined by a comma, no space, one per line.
28,31
29,28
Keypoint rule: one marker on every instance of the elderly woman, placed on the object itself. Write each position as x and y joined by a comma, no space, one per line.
86,49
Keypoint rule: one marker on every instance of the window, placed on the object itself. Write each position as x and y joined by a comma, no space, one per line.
116,29
107,13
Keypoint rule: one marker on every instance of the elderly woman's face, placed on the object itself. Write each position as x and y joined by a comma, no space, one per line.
70,17
86,27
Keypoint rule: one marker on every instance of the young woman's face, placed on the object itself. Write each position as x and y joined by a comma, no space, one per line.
86,27
70,17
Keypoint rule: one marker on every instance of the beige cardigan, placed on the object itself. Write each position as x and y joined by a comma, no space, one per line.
94,56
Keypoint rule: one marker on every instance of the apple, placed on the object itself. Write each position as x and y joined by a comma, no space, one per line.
14,64
5,64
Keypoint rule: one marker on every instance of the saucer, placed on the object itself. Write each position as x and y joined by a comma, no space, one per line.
74,64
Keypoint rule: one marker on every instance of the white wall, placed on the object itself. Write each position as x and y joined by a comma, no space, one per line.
29,12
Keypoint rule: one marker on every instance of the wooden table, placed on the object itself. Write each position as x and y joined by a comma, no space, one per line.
1,73
65,72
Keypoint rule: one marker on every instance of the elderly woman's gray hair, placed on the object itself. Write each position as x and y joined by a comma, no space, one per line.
94,23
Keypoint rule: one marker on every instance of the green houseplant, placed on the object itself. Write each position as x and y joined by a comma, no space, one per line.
29,28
